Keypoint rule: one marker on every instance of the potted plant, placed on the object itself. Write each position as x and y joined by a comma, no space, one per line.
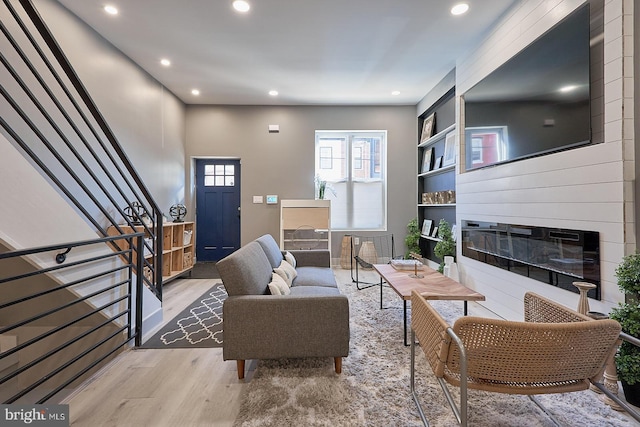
446,246
628,315
322,187
412,239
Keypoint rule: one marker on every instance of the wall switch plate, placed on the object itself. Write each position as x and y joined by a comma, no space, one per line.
258,199
274,128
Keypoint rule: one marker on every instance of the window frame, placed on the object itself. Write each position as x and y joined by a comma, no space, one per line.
378,171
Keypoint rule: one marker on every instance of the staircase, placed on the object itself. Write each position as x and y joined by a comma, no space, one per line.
66,307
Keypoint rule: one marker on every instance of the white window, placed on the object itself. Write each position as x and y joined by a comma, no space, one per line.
355,174
219,175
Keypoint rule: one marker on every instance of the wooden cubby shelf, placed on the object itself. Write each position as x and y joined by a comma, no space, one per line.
178,249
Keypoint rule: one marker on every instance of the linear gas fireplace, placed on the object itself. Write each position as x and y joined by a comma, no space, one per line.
554,256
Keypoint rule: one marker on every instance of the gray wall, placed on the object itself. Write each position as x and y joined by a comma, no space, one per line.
147,119
283,163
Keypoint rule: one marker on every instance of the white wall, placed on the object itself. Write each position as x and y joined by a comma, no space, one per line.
589,188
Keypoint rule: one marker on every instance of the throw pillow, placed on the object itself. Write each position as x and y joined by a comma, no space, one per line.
279,283
274,289
291,271
284,275
287,272
288,256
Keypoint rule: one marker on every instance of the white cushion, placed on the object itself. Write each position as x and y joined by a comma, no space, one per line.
289,269
283,274
288,256
274,289
286,271
278,283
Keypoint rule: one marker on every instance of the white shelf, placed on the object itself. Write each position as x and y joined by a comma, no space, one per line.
437,137
437,171
436,205
435,239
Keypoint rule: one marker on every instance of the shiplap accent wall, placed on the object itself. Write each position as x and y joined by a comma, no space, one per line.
589,188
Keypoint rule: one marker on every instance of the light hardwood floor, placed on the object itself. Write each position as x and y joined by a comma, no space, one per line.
177,387
180,387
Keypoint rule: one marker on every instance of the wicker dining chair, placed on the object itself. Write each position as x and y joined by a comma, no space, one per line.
555,350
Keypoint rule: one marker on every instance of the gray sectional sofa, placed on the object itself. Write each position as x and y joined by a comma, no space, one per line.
312,321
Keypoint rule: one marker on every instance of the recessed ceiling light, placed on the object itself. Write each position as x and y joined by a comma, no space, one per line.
165,62
241,5
395,93
273,92
111,10
195,92
568,88
459,9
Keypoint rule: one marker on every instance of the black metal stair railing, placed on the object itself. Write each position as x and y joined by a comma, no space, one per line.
48,114
79,334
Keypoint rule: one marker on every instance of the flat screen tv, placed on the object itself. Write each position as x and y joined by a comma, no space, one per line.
536,103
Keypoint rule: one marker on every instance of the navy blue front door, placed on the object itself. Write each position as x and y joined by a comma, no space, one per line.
217,208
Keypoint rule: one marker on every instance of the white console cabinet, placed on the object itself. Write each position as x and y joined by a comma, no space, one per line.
305,224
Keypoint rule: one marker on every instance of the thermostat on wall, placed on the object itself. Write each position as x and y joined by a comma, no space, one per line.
272,200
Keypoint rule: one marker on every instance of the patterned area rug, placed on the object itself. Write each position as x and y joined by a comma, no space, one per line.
373,389
199,325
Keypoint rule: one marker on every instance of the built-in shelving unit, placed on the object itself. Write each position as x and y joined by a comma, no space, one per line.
437,137
433,178
178,248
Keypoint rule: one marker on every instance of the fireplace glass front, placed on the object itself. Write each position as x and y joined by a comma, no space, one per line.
554,256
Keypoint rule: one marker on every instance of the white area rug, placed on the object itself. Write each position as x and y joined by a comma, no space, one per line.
373,389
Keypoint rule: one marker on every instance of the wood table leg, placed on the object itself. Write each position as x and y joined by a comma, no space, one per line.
406,343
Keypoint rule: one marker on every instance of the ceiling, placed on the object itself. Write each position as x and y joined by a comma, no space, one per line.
313,52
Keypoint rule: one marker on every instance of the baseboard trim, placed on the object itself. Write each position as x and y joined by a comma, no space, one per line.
152,324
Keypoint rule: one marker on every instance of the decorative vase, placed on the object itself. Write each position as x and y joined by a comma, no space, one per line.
448,260
321,189
368,253
451,268
345,254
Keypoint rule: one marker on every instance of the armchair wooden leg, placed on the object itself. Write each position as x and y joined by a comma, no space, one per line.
240,369
338,363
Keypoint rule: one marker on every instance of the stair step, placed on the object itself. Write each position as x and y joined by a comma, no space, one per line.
7,342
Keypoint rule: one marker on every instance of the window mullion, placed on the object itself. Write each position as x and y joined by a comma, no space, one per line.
350,218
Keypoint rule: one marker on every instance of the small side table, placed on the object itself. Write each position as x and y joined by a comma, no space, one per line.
609,376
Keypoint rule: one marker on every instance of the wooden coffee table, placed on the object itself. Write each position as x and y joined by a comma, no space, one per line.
433,286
